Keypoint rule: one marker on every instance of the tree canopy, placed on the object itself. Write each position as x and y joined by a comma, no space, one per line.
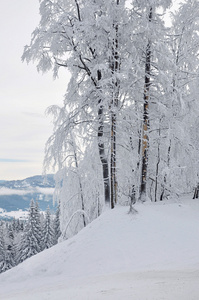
127,127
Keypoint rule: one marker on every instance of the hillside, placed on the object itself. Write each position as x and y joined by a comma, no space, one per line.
151,255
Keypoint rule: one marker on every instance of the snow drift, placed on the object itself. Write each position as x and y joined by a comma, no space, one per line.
151,255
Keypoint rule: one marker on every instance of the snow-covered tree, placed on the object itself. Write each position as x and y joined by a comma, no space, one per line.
153,64
2,250
48,239
56,225
7,253
123,130
87,38
39,225
184,137
31,238
11,247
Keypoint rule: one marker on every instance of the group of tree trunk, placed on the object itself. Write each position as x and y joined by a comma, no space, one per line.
127,130
20,240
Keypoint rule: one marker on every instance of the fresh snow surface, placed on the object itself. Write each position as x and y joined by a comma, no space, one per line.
151,255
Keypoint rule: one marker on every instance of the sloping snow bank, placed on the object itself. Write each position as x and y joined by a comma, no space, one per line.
151,255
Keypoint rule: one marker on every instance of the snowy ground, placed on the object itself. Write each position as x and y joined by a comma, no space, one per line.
152,255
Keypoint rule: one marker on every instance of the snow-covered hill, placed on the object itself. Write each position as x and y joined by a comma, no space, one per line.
151,255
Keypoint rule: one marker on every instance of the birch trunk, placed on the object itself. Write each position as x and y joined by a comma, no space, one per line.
101,148
145,129
114,107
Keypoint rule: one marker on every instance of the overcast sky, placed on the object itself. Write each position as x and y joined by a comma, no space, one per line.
24,94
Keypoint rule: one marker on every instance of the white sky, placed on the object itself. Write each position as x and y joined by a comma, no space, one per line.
24,94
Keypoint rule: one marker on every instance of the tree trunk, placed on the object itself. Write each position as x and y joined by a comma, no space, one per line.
196,192
101,148
103,158
157,168
165,177
80,183
113,161
145,142
114,107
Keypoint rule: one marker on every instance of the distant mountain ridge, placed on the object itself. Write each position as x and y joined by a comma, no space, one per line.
34,181
15,195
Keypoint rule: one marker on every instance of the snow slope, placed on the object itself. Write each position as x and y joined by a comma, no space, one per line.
152,255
